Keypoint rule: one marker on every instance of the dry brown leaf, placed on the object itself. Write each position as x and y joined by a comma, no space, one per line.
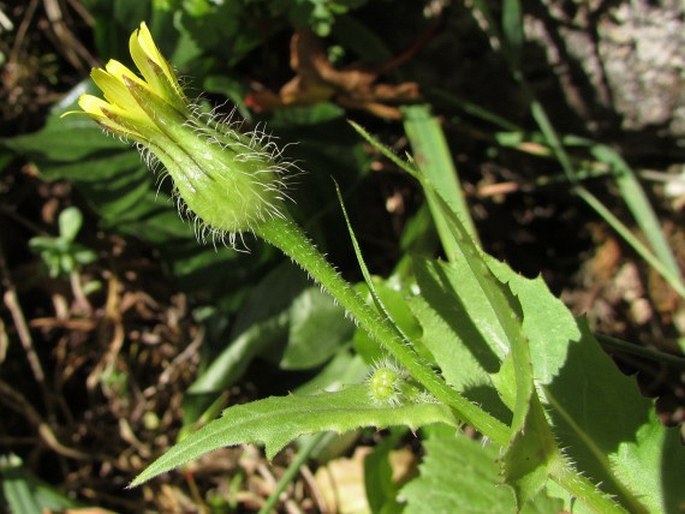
317,80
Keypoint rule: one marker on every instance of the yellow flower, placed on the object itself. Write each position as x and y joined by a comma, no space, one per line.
124,112
230,181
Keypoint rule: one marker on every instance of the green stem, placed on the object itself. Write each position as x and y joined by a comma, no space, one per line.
615,344
289,238
582,488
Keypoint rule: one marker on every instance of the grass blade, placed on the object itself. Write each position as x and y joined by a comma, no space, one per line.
635,198
435,162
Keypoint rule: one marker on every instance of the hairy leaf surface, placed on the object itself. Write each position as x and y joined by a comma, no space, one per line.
276,421
459,474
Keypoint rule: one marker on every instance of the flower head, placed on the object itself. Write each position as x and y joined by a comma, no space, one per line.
230,181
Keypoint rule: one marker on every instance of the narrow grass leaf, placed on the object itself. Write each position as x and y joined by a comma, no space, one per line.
368,279
434,159
381,489
674,281
512,30
635,198
18,495
24,493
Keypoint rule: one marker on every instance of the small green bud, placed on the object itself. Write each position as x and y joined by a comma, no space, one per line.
390,384
384,386
386,383
231,182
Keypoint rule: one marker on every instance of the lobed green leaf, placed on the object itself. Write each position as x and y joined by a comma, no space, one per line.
459,474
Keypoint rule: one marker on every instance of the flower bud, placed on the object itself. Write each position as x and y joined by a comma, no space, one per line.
390,385
231,182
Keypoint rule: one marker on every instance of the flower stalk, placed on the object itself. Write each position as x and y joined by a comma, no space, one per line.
233,183
287,236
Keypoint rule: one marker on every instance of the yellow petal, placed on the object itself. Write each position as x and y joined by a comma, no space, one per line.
102,112
113,84
143,47
155,68
150,62
92,105
123,121
119,71
114,89
150,48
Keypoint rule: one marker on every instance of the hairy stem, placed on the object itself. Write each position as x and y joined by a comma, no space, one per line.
289,238
584,490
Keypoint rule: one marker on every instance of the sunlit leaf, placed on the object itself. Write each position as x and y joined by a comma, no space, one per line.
276,421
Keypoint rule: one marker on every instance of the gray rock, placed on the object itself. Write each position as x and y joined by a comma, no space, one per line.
625,57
